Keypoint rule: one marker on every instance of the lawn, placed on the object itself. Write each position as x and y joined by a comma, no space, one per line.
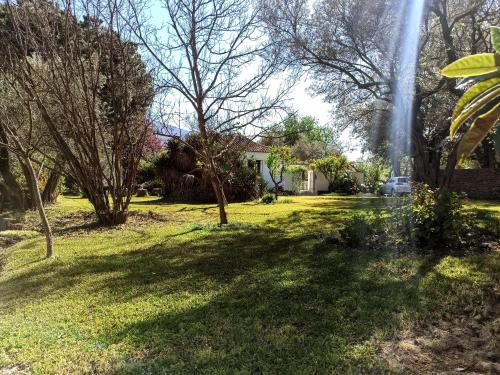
171,292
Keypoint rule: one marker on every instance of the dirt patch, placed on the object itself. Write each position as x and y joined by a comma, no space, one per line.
81,222
458,344
7,241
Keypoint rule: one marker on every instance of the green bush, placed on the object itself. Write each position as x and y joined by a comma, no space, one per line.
345,184
70,186
429,220
145,172
439,219
268,198
356,231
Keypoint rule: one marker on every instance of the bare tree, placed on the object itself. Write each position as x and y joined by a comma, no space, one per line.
73,60
214,55
20,138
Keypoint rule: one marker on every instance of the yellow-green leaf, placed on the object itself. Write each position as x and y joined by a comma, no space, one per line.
477,132
473,93
495,37
474,65
468,111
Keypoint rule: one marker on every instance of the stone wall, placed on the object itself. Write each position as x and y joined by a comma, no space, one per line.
477,183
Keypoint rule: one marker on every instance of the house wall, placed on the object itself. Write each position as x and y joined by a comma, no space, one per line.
262,156
321,183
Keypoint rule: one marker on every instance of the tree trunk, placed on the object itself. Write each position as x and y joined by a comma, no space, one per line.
106,215
219,193
276,188
29,200
11,188
39,205
50,193
396,165
426,157
224,198
450,168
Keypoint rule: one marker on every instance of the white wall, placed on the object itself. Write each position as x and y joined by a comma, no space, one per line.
262,156
321,183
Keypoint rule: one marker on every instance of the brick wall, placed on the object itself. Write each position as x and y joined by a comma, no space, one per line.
477,183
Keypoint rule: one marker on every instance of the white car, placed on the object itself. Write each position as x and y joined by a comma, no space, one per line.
396,185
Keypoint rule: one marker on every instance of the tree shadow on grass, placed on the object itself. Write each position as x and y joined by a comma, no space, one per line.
204,209
291,309
252,299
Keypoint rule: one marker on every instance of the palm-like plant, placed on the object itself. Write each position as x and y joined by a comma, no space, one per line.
480,103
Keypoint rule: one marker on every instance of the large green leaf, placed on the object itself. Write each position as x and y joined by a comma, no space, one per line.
472,108
495,37
473,65
473,93
477,132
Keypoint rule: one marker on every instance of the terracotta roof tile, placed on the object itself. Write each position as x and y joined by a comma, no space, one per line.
243,143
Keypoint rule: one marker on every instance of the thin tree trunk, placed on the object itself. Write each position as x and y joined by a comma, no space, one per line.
219,193
29,200
41,210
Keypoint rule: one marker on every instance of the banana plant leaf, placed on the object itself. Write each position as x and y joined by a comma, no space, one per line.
495,37
474,65
477,132
472,108
473,93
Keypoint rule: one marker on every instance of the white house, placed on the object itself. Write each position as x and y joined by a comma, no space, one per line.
313,181
259,153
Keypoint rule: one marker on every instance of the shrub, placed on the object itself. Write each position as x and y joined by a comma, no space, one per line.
241,184
299,174
267,198
145,172
375,173
427,220
141,192
345,184
70,186
356,230
182,176
153,184
439,220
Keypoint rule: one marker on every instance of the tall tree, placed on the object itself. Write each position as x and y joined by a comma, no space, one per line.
74,63
214,56
349,48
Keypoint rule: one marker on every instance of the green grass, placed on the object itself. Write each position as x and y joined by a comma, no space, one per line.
171,292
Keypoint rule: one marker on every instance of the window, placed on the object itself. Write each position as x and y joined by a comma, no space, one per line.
403,179
258,166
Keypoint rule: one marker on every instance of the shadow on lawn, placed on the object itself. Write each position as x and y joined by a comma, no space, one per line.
286,307
269,301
